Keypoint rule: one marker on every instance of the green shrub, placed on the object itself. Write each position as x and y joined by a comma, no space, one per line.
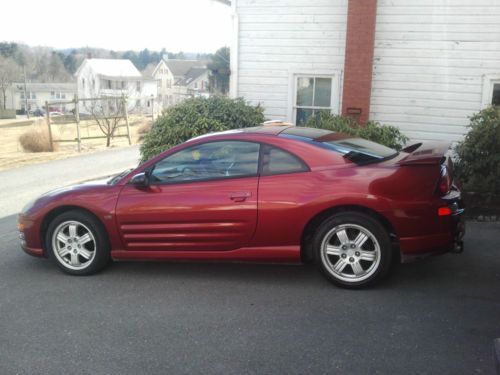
195,117
387,135
478,155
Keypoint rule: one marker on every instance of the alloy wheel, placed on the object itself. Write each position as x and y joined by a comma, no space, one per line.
350,252
74,245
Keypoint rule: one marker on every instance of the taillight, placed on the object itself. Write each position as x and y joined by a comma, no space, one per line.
444,181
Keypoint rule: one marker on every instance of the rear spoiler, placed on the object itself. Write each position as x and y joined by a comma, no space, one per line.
425,153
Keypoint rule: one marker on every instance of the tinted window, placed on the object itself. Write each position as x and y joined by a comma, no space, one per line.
353,148
209,161
278,161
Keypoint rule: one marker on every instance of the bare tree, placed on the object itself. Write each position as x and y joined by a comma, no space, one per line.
108,113
9,72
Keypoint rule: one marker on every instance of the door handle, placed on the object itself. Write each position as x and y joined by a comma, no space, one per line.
240,196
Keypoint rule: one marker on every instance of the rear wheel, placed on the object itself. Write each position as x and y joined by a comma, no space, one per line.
352,249
78,243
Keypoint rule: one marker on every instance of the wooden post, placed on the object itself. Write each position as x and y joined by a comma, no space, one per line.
125,110
47,114
77,118
152,109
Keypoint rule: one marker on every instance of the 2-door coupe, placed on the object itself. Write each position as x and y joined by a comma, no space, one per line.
266,194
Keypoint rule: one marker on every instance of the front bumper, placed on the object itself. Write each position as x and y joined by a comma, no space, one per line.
28,236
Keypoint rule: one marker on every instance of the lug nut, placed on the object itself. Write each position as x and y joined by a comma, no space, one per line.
353,246
344,247
344,256
357,253
351,259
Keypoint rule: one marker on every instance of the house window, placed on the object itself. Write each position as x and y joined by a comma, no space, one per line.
139,86
123,85
495,97
29,95
109,83
312,95
491,90
52,95
83,82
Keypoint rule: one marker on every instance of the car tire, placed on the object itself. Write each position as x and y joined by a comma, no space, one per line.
352,249
77,242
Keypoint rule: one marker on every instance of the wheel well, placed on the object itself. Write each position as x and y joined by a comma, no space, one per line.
57,211
306,250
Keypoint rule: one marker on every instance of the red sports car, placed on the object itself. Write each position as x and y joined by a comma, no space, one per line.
263,194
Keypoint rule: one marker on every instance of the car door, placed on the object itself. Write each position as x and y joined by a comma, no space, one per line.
203,197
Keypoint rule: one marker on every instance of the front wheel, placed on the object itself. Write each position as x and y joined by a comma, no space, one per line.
78,243
353,250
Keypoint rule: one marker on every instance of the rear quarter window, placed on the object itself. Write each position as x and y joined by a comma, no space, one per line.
278,161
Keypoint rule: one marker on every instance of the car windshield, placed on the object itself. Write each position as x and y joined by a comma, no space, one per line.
357,150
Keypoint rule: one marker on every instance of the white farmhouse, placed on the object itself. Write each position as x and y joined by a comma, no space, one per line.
115,77
180,79
424,66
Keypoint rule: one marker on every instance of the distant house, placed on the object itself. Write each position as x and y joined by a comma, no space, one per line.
180,79
38,93
423,66
114,77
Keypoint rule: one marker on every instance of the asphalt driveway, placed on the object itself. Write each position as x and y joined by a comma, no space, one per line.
438,316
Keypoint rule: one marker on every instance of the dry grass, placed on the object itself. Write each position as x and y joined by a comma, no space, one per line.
143,130
36,140
13,155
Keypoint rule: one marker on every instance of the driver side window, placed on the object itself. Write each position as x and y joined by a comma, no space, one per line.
208,161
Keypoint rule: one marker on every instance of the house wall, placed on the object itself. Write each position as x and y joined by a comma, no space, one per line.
431,62
434,65
165,84
281,38
15,101
200,84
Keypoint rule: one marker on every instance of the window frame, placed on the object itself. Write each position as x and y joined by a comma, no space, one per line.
489,82
260,163
334,107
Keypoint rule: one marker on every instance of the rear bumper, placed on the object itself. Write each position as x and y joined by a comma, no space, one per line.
448,239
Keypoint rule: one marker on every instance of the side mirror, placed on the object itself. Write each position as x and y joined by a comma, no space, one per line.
140,179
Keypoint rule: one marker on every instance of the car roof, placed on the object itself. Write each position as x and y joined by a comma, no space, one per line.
284,128
262,129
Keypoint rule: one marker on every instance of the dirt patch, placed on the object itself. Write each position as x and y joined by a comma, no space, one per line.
13,156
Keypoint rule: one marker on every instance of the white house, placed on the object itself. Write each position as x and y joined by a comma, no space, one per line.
424,66
115,77
38,93
180,79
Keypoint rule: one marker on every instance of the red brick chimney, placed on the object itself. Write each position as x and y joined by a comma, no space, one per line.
360,38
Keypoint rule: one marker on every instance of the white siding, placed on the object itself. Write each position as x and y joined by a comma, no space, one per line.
429,62
280,38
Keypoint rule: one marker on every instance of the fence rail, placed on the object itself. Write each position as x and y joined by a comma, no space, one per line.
53,120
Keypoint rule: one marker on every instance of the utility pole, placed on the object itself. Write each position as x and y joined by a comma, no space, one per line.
26,94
